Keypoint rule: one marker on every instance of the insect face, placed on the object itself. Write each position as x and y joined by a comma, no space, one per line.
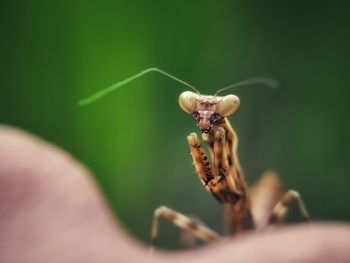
208,110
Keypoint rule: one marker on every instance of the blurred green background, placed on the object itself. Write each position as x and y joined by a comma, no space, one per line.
54,53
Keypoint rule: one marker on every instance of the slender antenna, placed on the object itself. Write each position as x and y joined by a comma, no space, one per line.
119,84
255,80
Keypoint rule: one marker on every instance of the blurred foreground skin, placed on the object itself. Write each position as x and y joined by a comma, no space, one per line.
52,211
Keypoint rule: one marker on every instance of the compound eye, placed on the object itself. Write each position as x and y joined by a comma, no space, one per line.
227,105
188,101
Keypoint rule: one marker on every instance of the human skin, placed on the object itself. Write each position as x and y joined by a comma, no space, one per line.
52,211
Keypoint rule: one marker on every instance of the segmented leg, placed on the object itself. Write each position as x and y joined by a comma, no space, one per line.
226,188
228,147
198,230
200,160
230,142
221,183
264,196
232,187
282,206
187,239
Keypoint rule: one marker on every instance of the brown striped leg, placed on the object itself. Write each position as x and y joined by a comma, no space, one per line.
194,227
264,196
222,169
220,154
231,146
187,240
220,183
281,207
200,160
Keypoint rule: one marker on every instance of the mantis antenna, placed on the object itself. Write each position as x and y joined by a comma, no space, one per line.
255,80
119,84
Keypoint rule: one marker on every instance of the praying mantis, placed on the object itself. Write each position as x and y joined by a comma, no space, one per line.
218,168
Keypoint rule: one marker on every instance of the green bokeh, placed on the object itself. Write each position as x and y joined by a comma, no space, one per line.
54,53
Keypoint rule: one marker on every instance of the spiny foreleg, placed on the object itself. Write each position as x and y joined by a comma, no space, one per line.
200,160
219,180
